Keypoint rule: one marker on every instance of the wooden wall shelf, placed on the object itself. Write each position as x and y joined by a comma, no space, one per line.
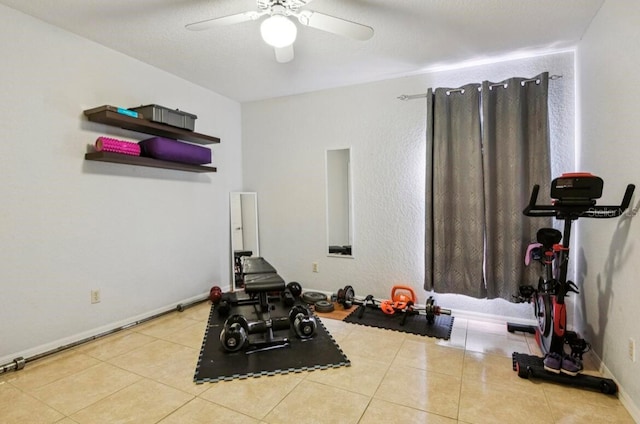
105,115
116,119
144,161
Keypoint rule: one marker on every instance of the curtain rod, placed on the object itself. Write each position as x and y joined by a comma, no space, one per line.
420,96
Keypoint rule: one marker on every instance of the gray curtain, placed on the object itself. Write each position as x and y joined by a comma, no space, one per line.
479,176
455,207
516,156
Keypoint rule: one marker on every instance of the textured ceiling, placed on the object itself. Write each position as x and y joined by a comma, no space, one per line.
410,36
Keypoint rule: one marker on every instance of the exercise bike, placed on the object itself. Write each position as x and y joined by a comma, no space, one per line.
574,196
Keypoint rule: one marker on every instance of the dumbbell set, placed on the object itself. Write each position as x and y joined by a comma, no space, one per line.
238,333
237,329
403,301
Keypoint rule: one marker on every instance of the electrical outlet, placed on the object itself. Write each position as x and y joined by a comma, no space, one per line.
632,350
95,296
314,267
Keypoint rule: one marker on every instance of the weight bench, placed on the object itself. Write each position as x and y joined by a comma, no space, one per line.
260,279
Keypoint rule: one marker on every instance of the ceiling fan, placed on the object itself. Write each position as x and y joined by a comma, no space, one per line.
280,32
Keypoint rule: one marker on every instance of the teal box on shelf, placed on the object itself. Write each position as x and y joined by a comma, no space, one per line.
173,117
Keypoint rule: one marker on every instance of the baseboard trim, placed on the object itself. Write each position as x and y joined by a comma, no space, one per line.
623,396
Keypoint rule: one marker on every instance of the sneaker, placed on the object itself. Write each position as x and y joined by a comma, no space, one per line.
553,362
571,366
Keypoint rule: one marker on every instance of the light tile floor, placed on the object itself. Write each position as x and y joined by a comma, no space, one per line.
145,375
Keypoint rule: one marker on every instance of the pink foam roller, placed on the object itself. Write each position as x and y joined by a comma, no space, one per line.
117,146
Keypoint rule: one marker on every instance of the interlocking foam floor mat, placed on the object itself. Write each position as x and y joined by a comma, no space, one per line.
416,324
215,364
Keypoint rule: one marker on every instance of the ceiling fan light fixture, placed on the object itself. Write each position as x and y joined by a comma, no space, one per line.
278,31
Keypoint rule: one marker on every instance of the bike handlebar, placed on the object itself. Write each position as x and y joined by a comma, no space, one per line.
586,208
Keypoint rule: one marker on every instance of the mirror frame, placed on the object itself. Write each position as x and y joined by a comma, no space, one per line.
350,215
253,222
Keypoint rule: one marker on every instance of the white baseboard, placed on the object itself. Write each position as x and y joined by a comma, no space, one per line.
66,341
623,396
492,318
479,316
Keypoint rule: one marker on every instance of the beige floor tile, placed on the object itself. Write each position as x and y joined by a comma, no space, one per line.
591,363
380,411
426,390
339,330
562,394
485,327
145,374
143,402
20,408
191,336
458,337
77,391
254,396
495,369
150,358
495,343
485,403
373,343
169,363
430,356
363,376
499,329
312,403
164,326
533,345
115,344
199,312
200,411
578,412
42,372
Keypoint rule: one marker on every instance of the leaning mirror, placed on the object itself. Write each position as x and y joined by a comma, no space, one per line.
339,205
243,209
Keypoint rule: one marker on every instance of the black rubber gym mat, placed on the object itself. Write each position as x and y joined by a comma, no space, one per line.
215,364
416,324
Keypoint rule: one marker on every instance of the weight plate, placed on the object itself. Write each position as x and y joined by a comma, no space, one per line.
313,297
324,306
349,294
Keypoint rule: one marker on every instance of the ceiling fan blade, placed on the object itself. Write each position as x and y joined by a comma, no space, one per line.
334,25
225,20
284,54
297,4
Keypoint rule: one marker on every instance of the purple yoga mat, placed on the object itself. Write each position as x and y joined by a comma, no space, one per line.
175,151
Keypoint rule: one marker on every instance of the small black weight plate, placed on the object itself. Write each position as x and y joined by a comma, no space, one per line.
324,306
313,297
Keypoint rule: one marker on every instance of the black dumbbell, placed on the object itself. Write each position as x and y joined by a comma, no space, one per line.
304,324
287,298
224,304
295,289
261,326
234,334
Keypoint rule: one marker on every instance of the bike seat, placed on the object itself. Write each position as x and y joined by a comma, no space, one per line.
548,237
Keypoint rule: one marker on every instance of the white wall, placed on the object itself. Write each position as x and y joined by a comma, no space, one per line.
147,238
608,63
284,142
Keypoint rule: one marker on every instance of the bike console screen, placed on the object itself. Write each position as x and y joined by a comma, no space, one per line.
577,186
